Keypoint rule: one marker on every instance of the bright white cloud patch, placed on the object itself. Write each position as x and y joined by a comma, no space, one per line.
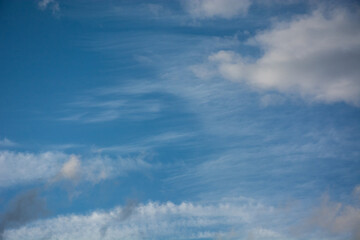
316,56
57,166
71,168
155,221
216,8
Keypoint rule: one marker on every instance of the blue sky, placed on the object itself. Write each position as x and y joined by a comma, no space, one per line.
182,119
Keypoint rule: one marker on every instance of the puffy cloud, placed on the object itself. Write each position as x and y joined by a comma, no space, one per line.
316,56
216,8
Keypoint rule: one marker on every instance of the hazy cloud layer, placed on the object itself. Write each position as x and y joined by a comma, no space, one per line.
316,56
216,8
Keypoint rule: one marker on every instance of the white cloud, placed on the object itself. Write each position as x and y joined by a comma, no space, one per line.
316,56
216,8
150,221
71,168
19,168
23,168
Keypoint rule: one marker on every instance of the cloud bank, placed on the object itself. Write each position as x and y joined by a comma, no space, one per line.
49,4
152,221
315,56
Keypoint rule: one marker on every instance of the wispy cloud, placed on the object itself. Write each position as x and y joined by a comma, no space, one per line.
103,108
7,143
150,143
49,167
53,5
216,8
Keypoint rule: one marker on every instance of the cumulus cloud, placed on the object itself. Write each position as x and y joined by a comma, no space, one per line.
23,168
148,221
216,8
315,56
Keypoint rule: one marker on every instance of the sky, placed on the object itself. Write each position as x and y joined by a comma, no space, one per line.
181,119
